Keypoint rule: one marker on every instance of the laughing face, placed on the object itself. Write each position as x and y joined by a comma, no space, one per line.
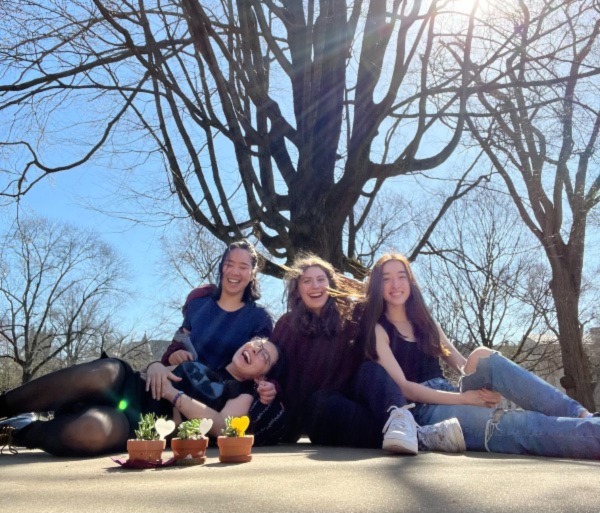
255,358
312,287
237,272
396,283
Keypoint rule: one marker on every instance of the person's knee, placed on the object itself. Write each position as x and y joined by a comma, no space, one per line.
107,374
474,357
95,432
368,368
371,374
318,400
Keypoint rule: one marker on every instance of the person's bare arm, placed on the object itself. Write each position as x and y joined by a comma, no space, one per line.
193,409
415,391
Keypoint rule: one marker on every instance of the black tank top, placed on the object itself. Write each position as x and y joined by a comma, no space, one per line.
416,365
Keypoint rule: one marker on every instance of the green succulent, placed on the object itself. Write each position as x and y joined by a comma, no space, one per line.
189,430
228,430
146,429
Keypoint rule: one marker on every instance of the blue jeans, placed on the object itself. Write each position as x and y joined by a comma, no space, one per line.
548,425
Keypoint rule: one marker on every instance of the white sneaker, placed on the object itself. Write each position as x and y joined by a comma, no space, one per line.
400,431
445,436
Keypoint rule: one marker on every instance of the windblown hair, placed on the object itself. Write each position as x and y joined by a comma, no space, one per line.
252,290
339,307
425,328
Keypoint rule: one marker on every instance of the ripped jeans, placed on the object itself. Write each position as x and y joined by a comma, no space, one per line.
547,425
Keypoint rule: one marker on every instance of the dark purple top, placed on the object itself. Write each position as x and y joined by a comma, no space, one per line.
311,364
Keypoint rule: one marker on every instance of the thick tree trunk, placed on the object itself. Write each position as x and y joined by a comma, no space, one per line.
26,375
577,379
320,236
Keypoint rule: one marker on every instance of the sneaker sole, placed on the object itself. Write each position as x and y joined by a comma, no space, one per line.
398,447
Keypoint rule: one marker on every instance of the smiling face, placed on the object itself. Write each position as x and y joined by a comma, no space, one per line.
396,283
312,287
237,272
255,358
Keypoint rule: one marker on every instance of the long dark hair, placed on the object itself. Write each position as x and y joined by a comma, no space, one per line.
252,291
424,327
336,311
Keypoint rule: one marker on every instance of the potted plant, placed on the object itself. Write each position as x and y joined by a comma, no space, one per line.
234,445
149,441
189,447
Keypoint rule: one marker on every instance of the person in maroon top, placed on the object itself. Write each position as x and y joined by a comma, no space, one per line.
329,391
316,339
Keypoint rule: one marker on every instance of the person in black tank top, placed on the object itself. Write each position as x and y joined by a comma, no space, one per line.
398,331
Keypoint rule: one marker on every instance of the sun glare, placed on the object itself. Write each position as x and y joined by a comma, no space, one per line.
484,8
467,5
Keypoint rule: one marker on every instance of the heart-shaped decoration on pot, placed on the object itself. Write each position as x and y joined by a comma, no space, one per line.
240,424
205,425
164,427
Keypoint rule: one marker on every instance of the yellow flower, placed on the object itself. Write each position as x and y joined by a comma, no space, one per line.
240,424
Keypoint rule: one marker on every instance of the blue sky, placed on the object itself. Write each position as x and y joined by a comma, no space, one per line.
71,196
68,197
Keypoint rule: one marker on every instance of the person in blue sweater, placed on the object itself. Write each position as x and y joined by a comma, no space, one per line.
218,320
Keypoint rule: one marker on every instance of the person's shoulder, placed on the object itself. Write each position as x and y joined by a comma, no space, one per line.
206,290
282,329
196,301
384,323
381,333
284,320
256,309
358,310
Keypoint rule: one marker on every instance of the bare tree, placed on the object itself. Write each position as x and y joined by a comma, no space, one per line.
380,225
58,286
485,276
541,135
271,117
193,254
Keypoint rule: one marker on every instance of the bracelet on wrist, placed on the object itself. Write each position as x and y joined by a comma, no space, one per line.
152,363
176,398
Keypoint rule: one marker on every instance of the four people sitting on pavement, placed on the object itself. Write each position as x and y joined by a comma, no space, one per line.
348,362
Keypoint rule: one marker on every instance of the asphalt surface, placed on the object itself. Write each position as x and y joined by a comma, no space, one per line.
303,478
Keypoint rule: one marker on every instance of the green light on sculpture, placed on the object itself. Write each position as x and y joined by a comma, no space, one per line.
122,404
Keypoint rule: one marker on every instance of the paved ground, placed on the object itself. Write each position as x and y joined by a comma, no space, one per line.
304,478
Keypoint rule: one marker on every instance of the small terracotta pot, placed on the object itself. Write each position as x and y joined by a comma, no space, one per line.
233,449
146,450
189,452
